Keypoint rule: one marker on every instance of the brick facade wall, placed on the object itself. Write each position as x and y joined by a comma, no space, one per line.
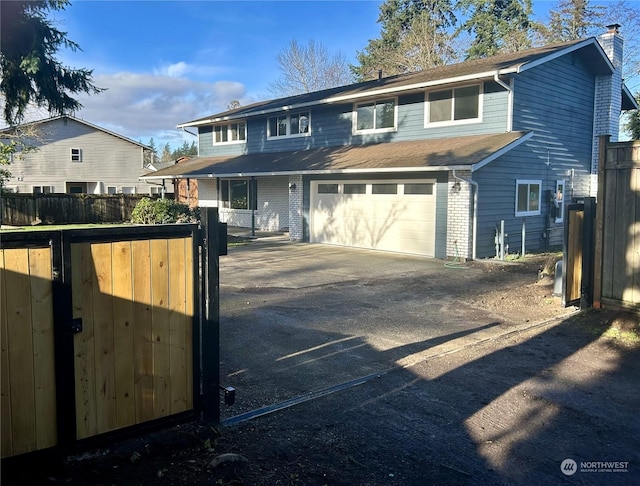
273,205
459,216
295,208
608,100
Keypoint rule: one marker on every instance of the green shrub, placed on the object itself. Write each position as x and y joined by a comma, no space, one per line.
163,211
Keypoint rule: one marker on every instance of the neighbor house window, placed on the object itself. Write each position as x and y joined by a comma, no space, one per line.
42,190
528,198
295,125
453,105
234,193
375,116
230,133
112,190
155,190
76,155
559,201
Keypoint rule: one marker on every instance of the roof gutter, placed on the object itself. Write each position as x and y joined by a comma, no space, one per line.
386,170
350,97
474,236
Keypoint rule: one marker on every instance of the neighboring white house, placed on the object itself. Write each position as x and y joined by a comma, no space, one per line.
74,156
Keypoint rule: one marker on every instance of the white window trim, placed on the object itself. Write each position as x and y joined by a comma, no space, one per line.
520,182
289,134
228,125
466,121
72,155
560,206
42,189
354,117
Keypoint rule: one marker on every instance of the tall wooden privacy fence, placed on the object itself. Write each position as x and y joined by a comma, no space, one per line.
617,253
26,209
101,333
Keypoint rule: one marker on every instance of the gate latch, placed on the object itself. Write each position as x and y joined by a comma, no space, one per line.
76,325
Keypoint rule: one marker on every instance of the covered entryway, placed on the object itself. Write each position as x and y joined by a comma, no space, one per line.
392,215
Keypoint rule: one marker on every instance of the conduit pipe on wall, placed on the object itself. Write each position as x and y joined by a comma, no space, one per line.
475,211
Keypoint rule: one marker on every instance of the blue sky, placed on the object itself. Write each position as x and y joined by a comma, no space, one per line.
167,62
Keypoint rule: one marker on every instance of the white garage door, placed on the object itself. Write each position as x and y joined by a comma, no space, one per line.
383,215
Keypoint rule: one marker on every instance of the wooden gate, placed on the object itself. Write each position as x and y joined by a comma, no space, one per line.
28,397
100,332
133,305
577,268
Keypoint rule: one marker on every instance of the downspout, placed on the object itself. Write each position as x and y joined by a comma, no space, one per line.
475,211
509,89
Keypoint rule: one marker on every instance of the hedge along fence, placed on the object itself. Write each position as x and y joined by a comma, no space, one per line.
27,209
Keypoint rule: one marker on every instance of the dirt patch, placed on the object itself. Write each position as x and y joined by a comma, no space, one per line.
505,407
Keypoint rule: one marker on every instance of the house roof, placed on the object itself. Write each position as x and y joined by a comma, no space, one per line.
471,152
502,64
77,120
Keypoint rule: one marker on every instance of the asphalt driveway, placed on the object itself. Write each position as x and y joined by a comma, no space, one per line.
301,318
360,367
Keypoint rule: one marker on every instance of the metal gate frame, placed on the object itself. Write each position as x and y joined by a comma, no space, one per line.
205,323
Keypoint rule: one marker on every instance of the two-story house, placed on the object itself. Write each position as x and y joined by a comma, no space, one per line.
74,156
428,163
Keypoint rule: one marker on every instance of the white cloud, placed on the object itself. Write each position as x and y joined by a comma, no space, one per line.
141,106
182,68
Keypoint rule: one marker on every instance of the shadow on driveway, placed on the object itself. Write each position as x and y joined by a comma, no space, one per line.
378,381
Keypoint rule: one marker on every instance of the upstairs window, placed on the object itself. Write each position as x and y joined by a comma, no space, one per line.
528,198
76,155
295,125
230,133
376,116
453,105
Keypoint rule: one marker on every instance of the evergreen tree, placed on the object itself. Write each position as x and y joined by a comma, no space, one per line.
497,26
571,20
29,70
632,122
413,37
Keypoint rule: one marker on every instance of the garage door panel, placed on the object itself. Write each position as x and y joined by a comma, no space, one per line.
392,222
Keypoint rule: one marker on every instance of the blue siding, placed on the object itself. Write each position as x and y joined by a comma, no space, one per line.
555,100
331,126
206,147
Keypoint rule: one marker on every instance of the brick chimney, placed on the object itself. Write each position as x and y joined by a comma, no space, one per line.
608,96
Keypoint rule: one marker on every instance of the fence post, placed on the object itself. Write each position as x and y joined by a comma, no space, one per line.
588,230
211,324
599,225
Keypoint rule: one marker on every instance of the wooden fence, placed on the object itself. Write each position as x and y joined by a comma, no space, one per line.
27,209
617,252
101,332
28,364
